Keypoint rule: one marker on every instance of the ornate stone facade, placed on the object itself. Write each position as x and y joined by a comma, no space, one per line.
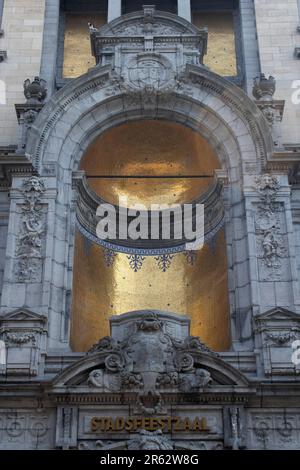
150,384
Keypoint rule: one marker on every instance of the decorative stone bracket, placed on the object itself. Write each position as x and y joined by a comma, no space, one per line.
24,334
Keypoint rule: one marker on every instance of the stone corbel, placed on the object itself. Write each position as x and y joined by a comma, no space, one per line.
263,92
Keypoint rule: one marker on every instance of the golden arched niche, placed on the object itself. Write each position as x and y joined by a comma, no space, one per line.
150,148
153,148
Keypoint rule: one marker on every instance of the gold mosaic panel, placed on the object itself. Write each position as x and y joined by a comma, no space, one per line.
221,50
199,291
77,47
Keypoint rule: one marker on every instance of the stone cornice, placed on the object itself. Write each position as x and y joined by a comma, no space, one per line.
12,164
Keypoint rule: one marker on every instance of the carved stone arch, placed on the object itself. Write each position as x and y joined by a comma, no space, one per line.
96,102
105,97
78,371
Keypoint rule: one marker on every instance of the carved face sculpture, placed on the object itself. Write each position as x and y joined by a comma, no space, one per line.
268,182
269,114
34,185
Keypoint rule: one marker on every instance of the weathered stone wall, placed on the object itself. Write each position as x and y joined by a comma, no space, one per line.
277,23
23,23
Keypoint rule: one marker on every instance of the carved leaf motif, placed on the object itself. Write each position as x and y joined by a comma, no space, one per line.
29,243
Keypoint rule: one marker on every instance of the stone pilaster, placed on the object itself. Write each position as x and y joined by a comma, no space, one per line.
272,262
114,9
29,245
184,9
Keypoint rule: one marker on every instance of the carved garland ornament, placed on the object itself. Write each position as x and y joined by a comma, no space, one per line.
20,339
